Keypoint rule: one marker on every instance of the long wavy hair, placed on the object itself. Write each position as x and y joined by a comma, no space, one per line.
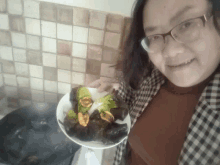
135,63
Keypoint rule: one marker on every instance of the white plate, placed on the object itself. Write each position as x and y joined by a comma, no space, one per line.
65,105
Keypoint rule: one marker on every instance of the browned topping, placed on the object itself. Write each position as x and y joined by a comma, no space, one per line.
83,119
107,116
86,102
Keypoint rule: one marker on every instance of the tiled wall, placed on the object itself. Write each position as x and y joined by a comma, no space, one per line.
46,49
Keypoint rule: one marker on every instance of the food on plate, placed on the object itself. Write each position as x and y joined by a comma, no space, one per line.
99,124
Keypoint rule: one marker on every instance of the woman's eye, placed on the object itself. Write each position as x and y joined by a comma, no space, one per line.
153,38
186,25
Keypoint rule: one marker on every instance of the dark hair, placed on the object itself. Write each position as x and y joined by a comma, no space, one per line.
135,63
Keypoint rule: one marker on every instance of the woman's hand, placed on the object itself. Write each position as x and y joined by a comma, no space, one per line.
104,85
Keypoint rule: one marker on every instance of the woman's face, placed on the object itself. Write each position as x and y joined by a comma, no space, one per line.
163,15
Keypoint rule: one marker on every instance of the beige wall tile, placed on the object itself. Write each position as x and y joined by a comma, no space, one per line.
19,55
48,11
96,36
32,26
64,32
34,57
93,67
18,40
50,86
6,53
24,93
17,23
95,52
36,71
79,50
115,23
22,69
13,103
23,82
50,73
80,34
80,17
8,67
5,38
112,40
37,96
64,47
97,19
64,62
78,78
4,24
36,83
48,29
64,76
63,88
49,45
15,7
10,79
50,60
31,9
78,65
33,42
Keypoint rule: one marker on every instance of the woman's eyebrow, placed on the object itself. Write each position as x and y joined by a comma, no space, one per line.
173,19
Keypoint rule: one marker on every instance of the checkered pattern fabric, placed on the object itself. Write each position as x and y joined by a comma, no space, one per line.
202,140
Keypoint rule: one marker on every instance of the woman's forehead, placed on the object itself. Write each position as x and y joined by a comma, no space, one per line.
163,12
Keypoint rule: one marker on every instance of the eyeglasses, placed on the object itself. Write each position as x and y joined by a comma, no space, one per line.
186,32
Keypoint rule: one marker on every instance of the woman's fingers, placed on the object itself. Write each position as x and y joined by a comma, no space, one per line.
105,87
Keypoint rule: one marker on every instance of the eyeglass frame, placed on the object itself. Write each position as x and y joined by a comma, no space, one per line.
204,19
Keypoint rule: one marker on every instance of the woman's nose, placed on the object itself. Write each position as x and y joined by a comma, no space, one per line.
172,47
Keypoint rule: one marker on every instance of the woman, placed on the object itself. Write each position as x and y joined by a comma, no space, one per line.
171,82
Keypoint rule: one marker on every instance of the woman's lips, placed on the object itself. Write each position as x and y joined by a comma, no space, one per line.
182,64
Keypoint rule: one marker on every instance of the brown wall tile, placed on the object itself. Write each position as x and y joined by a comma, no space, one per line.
65,14
2,6
107,70
97,20
5,38
2,92
17,23
80,17
93,67
24,93
96,36
90,78
110,56
95,52
63,62
64,47
50,73
13,102
34,57
8,67
115,23
112,40
48,11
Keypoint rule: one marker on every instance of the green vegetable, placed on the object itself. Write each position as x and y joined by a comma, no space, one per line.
72,115
107,103
83,92
82,109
